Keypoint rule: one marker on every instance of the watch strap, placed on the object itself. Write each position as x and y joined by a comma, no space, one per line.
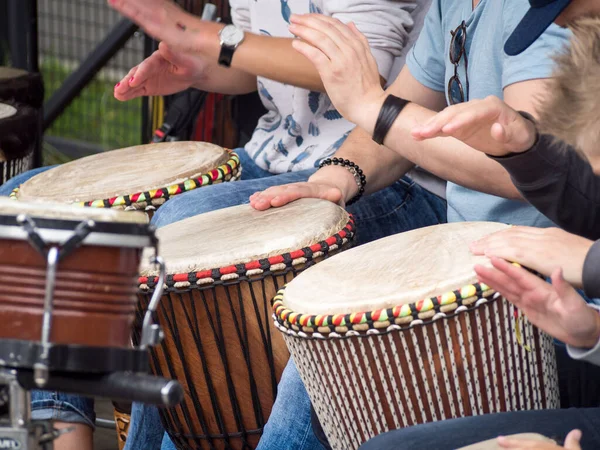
226,55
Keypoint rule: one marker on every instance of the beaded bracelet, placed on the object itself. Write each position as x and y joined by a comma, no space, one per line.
356,172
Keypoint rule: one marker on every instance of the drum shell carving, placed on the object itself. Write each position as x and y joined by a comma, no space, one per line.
94,301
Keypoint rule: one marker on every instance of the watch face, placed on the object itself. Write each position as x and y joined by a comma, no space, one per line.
231,36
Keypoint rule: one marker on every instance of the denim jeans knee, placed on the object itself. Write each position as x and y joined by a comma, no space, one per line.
70,408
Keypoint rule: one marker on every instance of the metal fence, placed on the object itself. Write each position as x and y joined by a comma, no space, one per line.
68,31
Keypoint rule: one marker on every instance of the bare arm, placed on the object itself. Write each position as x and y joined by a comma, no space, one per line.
258,55
338,52
381,166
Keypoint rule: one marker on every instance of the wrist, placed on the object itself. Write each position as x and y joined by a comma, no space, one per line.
338,177
207,39
530,137
594,337
366,115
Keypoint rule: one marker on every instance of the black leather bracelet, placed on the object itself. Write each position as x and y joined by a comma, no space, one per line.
359,176
389,112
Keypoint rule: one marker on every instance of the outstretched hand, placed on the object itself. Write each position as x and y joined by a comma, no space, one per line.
488,125
163,73
342,56
167,22
556,308
277,196
540,249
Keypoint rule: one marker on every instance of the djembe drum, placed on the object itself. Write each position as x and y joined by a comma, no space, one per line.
141,177
223,268
398,332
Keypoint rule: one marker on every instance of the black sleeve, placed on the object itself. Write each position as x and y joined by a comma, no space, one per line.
591,272
559,183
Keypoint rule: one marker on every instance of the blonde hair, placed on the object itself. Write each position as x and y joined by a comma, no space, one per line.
571,111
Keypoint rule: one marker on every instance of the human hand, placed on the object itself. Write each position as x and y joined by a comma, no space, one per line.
556,308
165,21
277,196
162,73
342,56
488,125
571,443
539,249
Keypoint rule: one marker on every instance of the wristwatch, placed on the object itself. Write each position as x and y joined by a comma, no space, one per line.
231,37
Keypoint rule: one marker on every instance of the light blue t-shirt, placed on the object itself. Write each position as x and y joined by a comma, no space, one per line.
490,71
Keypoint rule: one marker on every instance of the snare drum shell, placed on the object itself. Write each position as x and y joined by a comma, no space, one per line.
94,299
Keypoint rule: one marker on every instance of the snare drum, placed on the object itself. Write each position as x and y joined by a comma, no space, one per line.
141,177
398,332
223,268
69,282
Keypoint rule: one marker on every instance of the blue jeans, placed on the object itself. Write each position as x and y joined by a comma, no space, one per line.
456,433
401,207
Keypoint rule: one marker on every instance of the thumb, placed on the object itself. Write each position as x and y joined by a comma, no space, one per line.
572,440
500,133
562,287
174,57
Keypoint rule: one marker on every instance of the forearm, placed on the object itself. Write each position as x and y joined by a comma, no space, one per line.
265,56
380,165
560,184
447,158
225,80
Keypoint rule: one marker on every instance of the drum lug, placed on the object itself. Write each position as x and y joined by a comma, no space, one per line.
151,333
155,335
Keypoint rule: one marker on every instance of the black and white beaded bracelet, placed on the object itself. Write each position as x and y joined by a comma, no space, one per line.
356,172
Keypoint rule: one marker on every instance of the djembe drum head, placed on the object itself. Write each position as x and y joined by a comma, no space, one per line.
402,333
223,268
135,177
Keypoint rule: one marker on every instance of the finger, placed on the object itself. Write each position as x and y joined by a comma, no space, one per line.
476,115
340,34
572,440
149,68
499,133
499,282
122,86
317,39
433,127
130,94
563,289
314,55
363,39
524,279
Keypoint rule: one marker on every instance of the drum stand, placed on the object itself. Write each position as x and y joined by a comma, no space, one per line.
19,431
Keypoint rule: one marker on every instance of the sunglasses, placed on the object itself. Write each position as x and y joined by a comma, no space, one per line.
456,91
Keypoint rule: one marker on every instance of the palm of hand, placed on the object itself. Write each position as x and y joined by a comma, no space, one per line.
169,78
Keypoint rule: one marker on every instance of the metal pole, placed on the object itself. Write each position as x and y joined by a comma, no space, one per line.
17,33
32,40
74,84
